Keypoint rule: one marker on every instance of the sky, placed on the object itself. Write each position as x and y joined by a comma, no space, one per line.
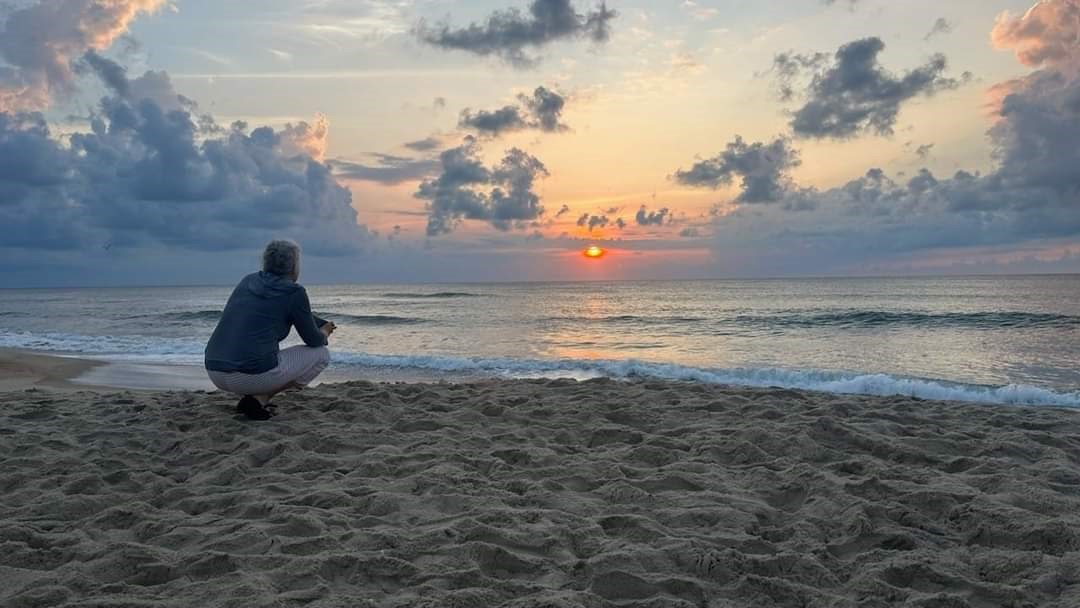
148,142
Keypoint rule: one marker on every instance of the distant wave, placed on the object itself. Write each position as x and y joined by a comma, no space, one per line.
873,318
214,315
631,320
194,315
13,313
856,319
441,295
372,319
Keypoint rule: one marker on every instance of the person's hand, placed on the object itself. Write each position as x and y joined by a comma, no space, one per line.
328,328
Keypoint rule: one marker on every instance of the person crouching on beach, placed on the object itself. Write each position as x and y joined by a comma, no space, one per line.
242,356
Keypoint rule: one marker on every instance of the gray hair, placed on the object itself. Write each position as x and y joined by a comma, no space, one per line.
281,258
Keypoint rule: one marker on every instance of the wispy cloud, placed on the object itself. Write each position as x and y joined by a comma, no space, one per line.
333,75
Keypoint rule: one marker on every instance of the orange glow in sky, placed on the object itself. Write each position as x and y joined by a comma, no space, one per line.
594,252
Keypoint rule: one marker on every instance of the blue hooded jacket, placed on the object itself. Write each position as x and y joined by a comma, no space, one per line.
260,312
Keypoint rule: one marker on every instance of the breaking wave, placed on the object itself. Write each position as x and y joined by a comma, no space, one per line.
189,351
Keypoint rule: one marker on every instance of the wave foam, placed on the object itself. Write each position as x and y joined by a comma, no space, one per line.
189,351
814,380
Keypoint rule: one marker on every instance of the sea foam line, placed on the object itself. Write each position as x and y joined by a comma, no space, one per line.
884,385
185,351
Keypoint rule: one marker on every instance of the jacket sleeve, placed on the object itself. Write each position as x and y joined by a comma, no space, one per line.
301,318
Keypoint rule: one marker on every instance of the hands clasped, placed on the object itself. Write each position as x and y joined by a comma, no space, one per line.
328,328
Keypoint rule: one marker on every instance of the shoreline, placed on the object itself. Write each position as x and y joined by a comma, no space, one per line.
25,369
21,370
63,371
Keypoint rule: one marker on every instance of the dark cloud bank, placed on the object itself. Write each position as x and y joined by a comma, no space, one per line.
151,172
509,33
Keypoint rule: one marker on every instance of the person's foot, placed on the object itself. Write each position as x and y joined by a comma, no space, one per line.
250,407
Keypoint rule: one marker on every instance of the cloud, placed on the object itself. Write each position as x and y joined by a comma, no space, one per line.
305,138
924,150
563,211
389,170
656,218
763,170
424,145
504,120
148,174
39,42
546,108
593,221
542,111
467,190
1031,196
280,55
1045,35
855,94
508,33
941,26
789,66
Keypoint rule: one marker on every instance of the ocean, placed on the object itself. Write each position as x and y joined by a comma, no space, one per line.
1009,340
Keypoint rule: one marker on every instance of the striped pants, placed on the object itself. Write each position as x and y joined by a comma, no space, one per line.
296,364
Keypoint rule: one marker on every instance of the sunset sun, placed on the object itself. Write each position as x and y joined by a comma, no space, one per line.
594,252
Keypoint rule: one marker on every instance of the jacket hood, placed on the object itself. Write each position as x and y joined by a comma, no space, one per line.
268,285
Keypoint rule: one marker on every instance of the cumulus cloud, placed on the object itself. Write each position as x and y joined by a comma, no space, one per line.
467,190
509,33
542,111
563,211
493,123
39,42
149,175
762,168
1045,35
592,222
854,94
655,218
1032,194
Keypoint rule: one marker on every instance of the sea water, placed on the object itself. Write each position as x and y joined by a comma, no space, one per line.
989,339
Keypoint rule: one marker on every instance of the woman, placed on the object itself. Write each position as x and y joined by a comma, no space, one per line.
242,356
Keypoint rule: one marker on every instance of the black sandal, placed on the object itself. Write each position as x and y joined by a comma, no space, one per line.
250,407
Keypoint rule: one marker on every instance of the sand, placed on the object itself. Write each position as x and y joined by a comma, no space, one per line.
20,370
536,493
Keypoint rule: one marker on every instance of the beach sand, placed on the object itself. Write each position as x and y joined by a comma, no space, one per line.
536,493
21,370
